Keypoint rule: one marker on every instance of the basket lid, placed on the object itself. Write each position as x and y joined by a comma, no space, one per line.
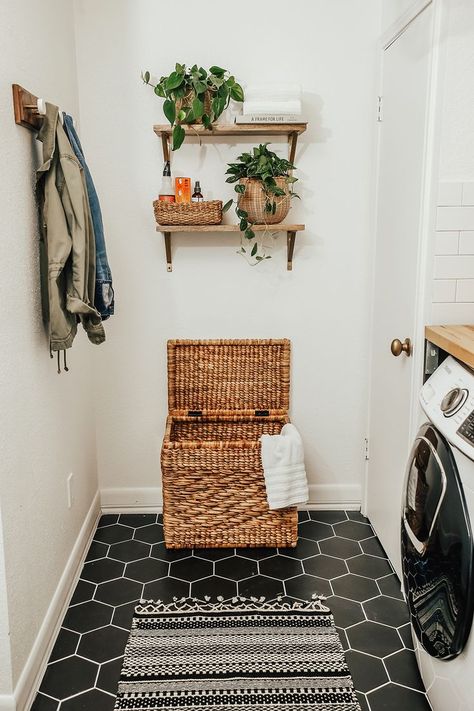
228,375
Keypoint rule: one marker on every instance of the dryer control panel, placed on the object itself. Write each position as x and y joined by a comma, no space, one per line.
447,398
466,430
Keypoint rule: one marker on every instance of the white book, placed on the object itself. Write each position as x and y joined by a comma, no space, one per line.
270,118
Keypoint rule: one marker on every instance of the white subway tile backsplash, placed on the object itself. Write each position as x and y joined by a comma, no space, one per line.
465,290
452,313
444,290
454,267
450,194
446,242
466,242
467,194
455,218
453,278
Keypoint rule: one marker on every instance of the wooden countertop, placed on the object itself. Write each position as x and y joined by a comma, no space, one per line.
458,341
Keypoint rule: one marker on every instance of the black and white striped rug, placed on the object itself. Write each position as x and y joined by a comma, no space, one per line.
235,654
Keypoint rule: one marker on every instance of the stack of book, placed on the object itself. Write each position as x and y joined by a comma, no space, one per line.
272,103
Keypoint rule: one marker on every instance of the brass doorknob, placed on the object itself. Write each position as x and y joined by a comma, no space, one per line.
397,347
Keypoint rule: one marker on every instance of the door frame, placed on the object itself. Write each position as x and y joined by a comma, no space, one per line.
426,228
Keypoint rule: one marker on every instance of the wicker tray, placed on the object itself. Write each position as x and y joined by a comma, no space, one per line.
222,396
208,212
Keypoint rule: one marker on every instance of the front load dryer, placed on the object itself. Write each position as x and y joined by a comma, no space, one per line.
436,538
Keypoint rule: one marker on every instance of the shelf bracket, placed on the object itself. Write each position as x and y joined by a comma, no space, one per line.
292,142
169,263
290,243
165,142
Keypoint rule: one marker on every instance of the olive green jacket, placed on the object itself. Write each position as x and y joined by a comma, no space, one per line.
67,246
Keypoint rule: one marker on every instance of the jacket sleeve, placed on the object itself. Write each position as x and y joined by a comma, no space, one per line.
55,249
80,290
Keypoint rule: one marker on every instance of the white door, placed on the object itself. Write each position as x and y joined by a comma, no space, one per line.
401,170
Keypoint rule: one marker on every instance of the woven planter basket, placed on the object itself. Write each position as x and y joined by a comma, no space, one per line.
208,212
253,202
222,396
187,101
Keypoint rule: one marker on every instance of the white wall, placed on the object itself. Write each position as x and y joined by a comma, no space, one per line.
393,9
46,420
6,687
457,134
453,283
322,305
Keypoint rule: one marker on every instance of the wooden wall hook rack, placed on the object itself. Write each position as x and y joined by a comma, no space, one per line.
25,105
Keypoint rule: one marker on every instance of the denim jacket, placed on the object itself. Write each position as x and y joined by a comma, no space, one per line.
104,293
67,249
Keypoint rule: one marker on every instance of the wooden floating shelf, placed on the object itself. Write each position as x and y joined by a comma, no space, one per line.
289,228
291,130
235,129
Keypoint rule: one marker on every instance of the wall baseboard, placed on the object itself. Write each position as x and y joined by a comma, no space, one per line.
7,702
35,666
142,500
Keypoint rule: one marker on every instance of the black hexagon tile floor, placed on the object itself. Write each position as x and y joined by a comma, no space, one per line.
337,555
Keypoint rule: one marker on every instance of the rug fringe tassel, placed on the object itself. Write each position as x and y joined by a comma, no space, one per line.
254,604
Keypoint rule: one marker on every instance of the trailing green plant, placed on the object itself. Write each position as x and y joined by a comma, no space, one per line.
263,165
194,95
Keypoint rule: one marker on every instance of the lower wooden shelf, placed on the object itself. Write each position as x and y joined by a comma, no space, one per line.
289,228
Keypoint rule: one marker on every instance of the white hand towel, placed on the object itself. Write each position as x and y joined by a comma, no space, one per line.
283,467
272,92
272,107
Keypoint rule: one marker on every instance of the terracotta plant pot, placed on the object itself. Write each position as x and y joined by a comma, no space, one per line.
253,202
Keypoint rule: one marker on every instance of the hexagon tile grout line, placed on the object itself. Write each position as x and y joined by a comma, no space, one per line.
338,555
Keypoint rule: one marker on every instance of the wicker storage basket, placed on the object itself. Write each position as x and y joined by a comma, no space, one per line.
253,202
208,212
222,396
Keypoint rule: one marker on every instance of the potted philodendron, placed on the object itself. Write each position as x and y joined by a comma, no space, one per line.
264,189
194,95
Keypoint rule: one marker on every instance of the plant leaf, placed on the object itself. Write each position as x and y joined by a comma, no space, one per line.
243,225
207,123
178,136
198,107
240,188
254,250
236,92
249,233
159,91
228,205
169,110
199,87
181,115
174,80
241,213
217,71
146,77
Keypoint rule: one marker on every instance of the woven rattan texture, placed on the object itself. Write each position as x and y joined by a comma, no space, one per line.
208,212
213,484
253,201
223,430
229,375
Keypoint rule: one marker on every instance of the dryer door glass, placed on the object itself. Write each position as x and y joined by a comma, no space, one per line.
437,547
424,493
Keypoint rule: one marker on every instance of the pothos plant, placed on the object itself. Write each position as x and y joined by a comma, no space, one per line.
265,166
194,95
